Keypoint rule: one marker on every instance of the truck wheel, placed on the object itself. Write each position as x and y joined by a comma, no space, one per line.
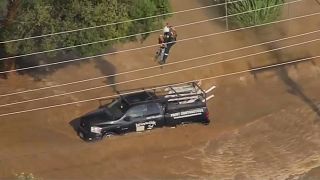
206,123
108,135
172,125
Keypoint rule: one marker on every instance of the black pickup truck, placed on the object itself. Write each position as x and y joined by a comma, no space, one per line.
146,110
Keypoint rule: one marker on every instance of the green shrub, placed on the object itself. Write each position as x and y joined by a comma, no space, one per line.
255,17
146,8
47,16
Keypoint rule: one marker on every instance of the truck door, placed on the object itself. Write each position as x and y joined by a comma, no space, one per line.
136,118
154,115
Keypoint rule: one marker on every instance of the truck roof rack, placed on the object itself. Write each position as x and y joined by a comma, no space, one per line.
172,94
185,94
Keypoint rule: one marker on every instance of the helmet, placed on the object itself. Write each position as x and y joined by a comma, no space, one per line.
166,29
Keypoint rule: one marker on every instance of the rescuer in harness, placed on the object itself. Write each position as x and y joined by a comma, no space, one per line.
166,41
162,53
170,34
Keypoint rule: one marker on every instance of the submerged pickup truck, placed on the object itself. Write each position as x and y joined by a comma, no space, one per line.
146,110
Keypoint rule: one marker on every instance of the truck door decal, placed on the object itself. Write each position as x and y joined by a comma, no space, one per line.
154,117
183,114
145,125
139,128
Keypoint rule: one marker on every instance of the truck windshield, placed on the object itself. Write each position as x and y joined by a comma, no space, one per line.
117,108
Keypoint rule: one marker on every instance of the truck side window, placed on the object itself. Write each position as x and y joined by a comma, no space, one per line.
153,109
137,111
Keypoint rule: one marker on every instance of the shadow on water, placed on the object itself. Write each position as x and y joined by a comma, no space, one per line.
293,87
40,66
48,64
107,69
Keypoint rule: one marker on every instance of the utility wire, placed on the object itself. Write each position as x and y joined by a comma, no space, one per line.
157,66
159,87
116,23
157,75
143,33
145,47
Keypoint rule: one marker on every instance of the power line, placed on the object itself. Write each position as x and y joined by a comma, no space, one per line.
203,79
153,76
152,67
145,47
116,23
143,33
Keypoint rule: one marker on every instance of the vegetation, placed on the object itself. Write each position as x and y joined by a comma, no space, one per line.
37,17
3,4
3,9
256,17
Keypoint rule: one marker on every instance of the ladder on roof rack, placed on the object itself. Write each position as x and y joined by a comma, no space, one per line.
184,94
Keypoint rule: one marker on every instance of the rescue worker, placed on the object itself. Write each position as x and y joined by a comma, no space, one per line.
162,43
174,34
166,53
162,48
166,41
161,40
170,34
166,31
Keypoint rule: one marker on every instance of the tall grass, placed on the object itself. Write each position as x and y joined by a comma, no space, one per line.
255,17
